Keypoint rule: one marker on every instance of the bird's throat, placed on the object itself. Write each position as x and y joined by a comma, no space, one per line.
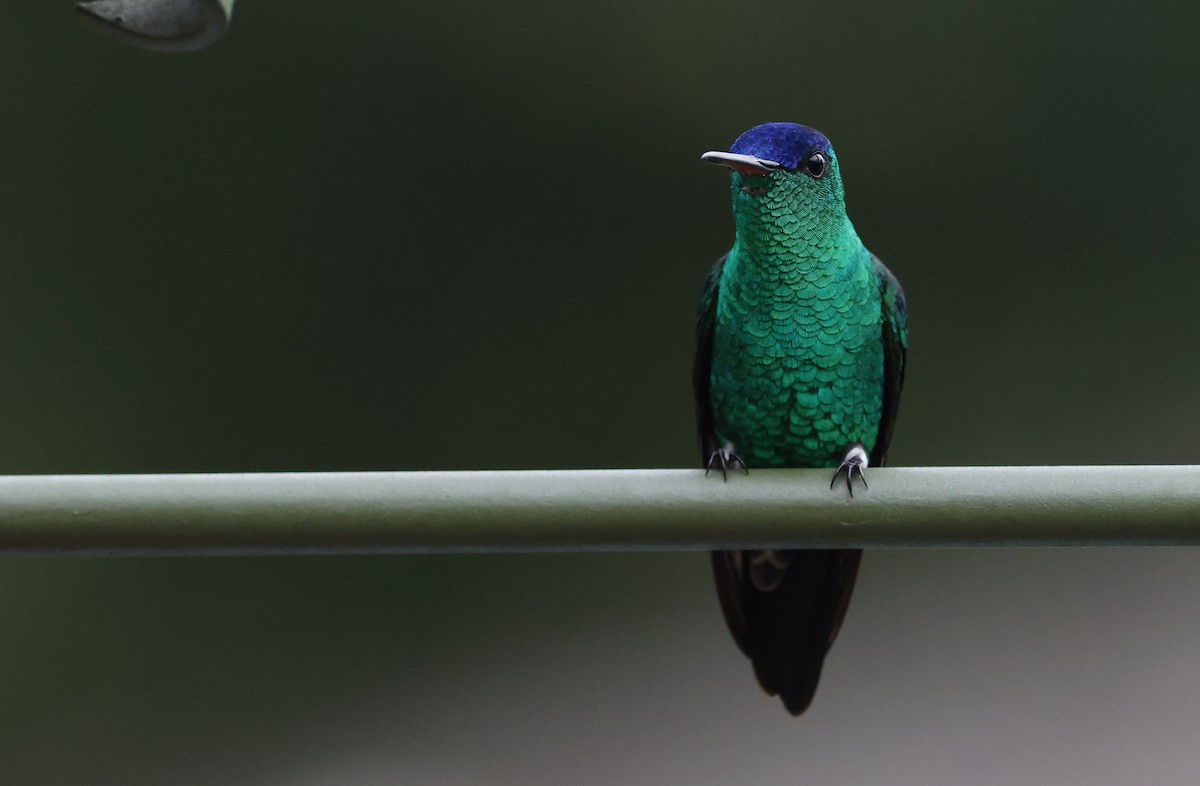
778,234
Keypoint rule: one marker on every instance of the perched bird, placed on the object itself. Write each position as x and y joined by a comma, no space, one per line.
800,354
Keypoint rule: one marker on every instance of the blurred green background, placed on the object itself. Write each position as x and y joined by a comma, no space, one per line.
459,235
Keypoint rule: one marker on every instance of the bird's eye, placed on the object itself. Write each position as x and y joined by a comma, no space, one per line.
816,166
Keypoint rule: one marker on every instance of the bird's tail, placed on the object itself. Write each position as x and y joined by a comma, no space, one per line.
784,609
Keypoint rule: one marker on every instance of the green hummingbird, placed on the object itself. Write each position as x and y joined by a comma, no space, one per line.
800,353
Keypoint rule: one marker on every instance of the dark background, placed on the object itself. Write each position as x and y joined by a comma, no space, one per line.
465,235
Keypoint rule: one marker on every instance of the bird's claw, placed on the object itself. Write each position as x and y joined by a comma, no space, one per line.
723,459
855,461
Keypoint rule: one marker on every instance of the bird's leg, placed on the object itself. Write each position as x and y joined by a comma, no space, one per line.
723,458
855,461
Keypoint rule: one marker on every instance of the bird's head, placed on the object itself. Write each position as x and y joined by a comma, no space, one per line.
783,165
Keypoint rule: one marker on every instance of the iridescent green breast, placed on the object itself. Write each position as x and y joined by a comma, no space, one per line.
797,365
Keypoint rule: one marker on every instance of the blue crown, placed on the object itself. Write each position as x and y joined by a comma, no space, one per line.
788,143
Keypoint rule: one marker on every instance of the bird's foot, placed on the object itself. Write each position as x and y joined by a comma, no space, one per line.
724,458
855,461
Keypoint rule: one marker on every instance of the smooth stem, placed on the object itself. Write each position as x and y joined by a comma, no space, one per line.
597,510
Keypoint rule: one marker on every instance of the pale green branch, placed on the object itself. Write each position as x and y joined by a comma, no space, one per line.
595,510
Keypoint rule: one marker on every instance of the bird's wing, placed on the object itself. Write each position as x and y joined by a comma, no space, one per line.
702,364
895,356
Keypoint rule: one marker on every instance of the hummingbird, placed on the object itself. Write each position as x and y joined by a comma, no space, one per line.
801,346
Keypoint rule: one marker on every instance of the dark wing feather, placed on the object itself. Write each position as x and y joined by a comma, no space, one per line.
895,357
702,363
